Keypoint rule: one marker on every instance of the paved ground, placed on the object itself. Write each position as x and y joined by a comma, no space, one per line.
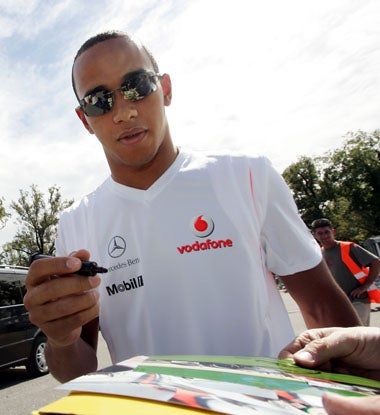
297,320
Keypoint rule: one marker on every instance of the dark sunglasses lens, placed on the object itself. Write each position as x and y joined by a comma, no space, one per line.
97,103
138,85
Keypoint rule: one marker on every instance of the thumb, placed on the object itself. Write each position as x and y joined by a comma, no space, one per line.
320,351
338,405
314,354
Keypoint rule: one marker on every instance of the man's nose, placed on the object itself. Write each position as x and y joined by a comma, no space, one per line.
124,109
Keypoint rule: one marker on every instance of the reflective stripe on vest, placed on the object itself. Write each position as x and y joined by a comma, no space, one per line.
360,273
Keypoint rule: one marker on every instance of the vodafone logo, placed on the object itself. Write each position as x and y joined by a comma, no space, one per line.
202,226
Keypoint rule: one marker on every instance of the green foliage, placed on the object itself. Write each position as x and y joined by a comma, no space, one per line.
3,214
303,179
343,185
38,220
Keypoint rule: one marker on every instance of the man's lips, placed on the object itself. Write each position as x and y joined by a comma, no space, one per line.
132,135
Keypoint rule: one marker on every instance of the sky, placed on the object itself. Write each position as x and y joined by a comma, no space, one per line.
283,78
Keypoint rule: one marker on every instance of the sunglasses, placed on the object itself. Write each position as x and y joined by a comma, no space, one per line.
136,86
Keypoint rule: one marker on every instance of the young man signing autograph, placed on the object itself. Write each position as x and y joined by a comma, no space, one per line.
190,240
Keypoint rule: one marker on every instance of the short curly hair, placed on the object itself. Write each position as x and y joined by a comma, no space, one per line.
101,37
320,223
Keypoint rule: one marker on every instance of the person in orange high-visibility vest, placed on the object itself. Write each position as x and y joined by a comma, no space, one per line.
354,268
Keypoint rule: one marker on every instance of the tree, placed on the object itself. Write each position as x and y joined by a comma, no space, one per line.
3,214
303,177
38,220
343,185
353,173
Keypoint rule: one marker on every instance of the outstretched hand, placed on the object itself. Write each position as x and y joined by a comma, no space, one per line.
352,350
338,405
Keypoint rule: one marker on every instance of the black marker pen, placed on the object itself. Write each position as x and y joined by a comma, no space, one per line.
88,268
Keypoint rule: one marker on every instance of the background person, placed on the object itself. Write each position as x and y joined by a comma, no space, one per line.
189,239
353,350
354,268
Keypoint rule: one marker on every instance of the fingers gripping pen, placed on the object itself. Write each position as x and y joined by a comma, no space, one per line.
88,268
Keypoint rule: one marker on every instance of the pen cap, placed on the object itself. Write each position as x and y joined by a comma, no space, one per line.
37,255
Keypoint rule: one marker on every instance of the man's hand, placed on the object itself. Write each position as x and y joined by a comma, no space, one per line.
353,350
338,405
59,301
359,292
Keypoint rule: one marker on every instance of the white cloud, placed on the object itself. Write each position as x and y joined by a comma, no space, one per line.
284,78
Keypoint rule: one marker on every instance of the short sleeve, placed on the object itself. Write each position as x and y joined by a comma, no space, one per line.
361,255
288,244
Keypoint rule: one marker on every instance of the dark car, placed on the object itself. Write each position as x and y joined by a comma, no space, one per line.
373,244
21,343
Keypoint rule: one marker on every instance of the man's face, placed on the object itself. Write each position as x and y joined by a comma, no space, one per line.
132,132
324,235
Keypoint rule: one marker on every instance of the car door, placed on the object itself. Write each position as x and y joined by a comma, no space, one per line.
14,321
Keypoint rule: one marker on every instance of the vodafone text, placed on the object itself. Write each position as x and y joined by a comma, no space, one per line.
203,246
132,284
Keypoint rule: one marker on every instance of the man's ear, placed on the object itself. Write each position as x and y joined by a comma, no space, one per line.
166,84
82,117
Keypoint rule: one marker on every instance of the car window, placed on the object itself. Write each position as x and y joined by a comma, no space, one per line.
12,289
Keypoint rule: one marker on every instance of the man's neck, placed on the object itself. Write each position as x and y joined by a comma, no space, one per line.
330,245
143,177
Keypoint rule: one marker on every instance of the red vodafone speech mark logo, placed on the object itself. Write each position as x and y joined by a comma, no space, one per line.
202,226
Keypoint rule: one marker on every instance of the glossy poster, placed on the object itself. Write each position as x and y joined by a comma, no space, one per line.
230,385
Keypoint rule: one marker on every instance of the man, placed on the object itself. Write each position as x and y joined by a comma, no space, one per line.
188,239
354,268
354,350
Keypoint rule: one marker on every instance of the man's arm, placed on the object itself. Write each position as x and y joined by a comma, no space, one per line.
68,362
320,299
374,271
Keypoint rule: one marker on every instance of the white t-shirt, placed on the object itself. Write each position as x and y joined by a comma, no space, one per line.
189,259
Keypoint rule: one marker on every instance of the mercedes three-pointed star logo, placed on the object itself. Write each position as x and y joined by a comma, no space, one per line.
116,247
